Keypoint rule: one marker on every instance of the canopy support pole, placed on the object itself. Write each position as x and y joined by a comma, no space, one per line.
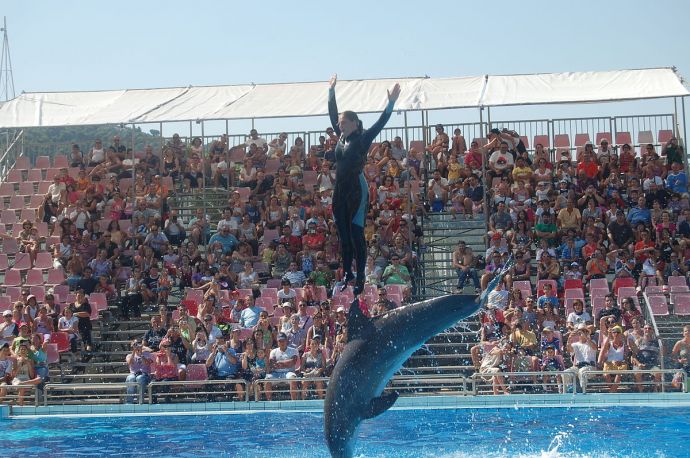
407,136
203,180
481,121
685,133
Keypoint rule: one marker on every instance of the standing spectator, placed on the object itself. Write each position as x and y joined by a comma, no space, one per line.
584,354
647,357
681,353
154,336
82,310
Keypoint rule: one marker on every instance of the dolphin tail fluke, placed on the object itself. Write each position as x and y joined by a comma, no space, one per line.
379,405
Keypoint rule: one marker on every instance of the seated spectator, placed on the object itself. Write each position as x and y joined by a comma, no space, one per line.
250,315
680,354
201,350
548,268
579,316
613,356
223,364
139,363
382,304
647,357
500,162
282,364
9,330
295,276
549,338
154,336
254,366
438,188
168,366
439,146
551,362
494,362
24,372
396,273
501,222
313,366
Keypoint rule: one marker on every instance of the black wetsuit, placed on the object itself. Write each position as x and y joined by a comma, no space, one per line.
350,193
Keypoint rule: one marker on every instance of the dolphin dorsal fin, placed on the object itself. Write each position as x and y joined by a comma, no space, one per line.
379,405
358,324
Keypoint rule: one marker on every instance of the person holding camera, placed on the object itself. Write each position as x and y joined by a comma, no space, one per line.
139,363
223,364
174,229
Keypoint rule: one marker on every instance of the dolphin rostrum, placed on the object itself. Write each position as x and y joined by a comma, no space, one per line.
376,348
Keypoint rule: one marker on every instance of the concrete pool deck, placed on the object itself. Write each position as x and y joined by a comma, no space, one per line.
515,401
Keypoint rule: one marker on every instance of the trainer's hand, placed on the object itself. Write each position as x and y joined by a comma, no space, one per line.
394,93
333,80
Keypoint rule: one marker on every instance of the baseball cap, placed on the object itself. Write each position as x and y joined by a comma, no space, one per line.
340,309
282,336
7,313
574,264
496,236
286,304
547,329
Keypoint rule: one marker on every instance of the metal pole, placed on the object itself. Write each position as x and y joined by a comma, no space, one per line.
407,135
685,133
131,188
481,121
160,162
203,190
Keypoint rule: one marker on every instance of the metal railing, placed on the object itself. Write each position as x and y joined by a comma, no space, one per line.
20,394
78,393
662,380
10,155
649,317
560,382
191,389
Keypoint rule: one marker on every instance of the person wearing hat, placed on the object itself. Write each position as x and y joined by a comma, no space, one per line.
549,338
282,364
6,368
584,353
8,328
614,356
313,366
224,364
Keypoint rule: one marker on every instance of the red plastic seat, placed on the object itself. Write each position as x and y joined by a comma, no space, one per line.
603,135
17,202
195,295
619,282
22,163
60,161
39,291
6,189
541,283
14,176
561,141
42,162
581,139
644,137
542,140
43,187
28,214
61,339
52,354
4,262
5,303
575,293
35,175
36,201
44,260
623,137
60,292
599,283
572,283
266,303
191,305
664,136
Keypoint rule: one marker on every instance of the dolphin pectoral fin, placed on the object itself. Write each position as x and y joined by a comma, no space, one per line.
379,405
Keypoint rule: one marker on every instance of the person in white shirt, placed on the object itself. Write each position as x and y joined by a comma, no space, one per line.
282,364
256,140
584,353
57,190
438,187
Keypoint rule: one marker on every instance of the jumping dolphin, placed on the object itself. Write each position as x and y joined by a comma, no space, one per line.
376,348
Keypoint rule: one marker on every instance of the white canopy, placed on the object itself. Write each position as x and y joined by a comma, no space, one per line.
39,109
582,87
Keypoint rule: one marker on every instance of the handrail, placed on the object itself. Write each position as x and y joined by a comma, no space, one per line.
97,387
4,166
652,320
674,372
34,394
567,379
188,383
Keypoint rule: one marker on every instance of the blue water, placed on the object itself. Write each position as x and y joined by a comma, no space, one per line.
614,432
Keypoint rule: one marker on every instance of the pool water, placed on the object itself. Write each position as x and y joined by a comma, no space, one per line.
576,432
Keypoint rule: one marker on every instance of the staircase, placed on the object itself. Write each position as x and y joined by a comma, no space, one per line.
212,200
670,331
441,236
447,353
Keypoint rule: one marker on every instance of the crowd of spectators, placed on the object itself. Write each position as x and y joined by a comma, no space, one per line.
611,215
112,232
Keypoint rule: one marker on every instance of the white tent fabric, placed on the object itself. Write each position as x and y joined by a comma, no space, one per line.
582,87
309,99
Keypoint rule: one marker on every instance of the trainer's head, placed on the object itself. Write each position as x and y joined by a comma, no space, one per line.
349,122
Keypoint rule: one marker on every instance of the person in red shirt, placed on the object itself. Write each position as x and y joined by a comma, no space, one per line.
588,166
313,241
291,242
644,248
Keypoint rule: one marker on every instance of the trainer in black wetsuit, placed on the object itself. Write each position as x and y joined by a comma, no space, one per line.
351,193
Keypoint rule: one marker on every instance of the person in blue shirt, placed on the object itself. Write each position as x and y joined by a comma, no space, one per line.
249,317
677,180
225,365
226,239
351,190
549,297
640,214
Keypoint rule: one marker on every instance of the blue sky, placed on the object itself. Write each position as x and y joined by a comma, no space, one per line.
82,45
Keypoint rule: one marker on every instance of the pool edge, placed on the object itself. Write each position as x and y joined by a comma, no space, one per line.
519,401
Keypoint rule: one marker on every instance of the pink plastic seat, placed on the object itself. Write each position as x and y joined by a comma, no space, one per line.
61,339
197,372
44,260
14,176
273,282
34,277
644,137
53,356
677,281
574,293
22,261
18,202
43,187
39,291
658,305
625,292
6,189
13,278
60,291
681,304
581,139
10,246
196,295
542,140
56,277
541,283
28,214
98,300
620,282
4,262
